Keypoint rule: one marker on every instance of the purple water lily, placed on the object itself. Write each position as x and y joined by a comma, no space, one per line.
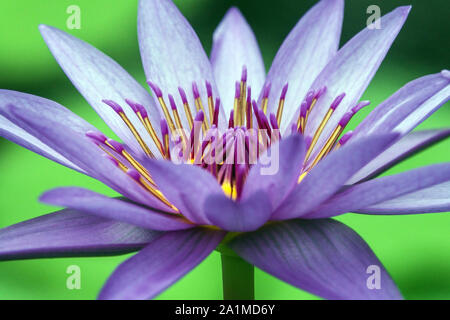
175,214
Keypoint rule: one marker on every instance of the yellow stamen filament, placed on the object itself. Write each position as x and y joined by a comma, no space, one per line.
265,101
137,166
313,103
156,193
211,109
120,164
236,112
187,111
318,132
242,103
229,190
151,131
166,114
280,112
166,145
199,105
328,145
302,176
136,134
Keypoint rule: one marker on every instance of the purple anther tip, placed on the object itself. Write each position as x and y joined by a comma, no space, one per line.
141,110
195,90
116,145
303,109
321,92
346,119
172,102
346,137
208,88
134,174
360,105
182,95
244,74
337,101
164,128
155,89
114,105
267,88
309,97
132,105
237,91
249,93
217,104
284,91
96,136
200,116
113,160
273,121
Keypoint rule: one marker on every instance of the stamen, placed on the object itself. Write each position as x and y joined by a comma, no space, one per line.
117,147
138,178
265,99
163,105
301,122
175,112
199,104
242,96
118,109
143,117
281,103
248,108
322,125
187,109
237,104
165,135
344,139
210,101
216,112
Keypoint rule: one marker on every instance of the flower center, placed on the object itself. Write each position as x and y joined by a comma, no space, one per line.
228,155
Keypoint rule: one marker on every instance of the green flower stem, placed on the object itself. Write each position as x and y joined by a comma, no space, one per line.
237,277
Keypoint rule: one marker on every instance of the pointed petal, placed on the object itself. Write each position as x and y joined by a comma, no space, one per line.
171,52
351,71
70,233
324,257
329,175
303,54
98,77
186,186
238,216
279,177
390,192
14,133
65,133
160,264
406,147
93,203
408,107
428,200
235,46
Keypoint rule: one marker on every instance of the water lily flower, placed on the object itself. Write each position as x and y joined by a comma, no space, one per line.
176,214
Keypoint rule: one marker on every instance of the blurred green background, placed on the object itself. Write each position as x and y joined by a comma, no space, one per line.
415,249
